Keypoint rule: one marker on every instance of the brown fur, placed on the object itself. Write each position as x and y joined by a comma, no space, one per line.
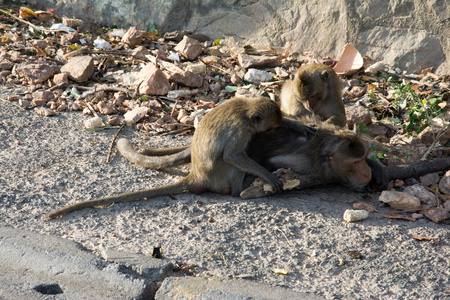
315,92
332,155
219,161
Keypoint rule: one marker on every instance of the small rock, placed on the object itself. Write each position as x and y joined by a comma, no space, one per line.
24,103
258,62
351,215
70,38
215,87
35,73
429,133
365,206
40,43
60,78
45,112
399,183
95,122
417,216
133,116
436,214
5,63
114,120
187,78
189,48
140,52
154,82
133,37
444,184
43,95
79,68
447,205
105,108
199,68
357,114
424,195
38,102
429,179
188,120
281,72
257,76
400,200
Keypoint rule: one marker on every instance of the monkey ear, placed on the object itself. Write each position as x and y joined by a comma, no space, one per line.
324,75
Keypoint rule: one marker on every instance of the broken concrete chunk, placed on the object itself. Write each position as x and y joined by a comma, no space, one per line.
364,206
105,108
187,78
152,81
95,122
133,37
189,48
258,62
400,200
436,214
133,116
351,215
79,68
45,112
35,73
257,76
425,196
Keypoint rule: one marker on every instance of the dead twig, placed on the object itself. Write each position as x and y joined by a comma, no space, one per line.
179,131
108,157
12,103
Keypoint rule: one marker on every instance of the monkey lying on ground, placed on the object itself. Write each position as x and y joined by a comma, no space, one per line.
315,91
219,160
331,155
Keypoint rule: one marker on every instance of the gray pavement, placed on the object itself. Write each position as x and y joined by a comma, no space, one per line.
35,266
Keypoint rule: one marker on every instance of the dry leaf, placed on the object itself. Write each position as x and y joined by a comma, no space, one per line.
425,238
350,62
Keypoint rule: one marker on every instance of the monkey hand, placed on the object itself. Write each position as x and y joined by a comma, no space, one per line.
275,182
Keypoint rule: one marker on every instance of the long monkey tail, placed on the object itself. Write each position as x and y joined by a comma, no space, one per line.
153,159
177,188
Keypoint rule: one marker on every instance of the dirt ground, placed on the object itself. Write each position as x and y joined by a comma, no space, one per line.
46,163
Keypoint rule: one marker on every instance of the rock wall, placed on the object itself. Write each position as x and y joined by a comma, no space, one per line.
413,34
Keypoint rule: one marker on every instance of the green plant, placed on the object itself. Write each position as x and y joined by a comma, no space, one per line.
416,112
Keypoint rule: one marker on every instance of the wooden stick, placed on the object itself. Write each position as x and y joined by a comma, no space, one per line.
108,157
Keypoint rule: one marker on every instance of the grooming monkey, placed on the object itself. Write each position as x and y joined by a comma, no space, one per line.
219,160
332,155
315,92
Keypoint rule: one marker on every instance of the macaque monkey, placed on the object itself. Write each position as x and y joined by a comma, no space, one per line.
314,93
332,155
332,151
219,160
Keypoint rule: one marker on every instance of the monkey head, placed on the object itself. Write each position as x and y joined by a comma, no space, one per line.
312,84
265,114
347,158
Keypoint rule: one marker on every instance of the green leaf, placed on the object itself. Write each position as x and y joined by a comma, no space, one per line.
231,88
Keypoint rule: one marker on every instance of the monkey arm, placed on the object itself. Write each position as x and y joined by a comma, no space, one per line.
248,165
299,127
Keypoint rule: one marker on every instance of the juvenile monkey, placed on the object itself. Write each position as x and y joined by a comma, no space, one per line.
315,92
219,160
